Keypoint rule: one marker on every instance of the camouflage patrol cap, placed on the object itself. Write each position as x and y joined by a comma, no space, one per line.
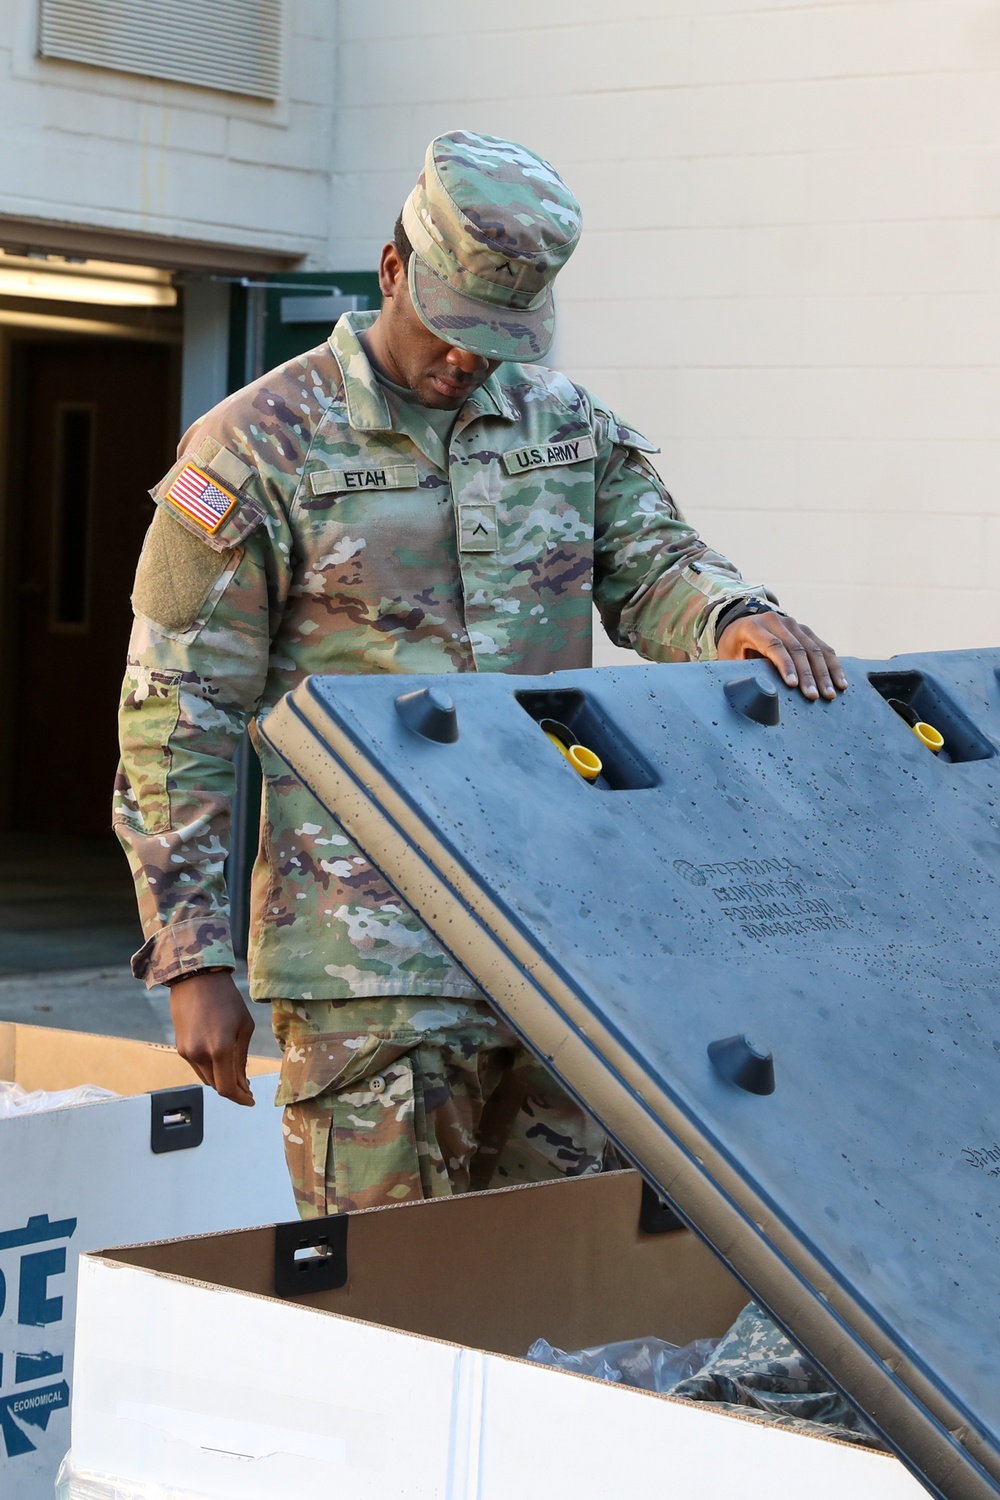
490,224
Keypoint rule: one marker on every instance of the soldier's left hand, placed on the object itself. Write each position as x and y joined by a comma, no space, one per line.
797,653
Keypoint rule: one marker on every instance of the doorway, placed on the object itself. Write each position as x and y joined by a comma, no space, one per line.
91,425
93,433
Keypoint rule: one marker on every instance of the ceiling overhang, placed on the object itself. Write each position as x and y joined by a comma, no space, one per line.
24,236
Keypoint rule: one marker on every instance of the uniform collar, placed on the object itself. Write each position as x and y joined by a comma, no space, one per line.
490,400
367,407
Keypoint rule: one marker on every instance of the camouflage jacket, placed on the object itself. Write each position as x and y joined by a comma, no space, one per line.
313,523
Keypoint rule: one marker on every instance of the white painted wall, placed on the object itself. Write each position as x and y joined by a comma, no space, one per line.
790,272
89,147
789,275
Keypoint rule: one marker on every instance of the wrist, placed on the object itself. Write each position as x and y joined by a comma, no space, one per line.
740,609
197,973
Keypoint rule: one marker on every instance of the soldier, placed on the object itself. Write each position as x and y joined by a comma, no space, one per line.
417,494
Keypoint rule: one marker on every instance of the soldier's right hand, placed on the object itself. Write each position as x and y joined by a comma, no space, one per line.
213,1027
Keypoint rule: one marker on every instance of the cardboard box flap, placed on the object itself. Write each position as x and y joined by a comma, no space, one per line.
43,1057
562,1259
762,947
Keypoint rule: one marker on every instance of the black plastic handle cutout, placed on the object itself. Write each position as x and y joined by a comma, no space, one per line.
582,719
310,1256
177,1120
656,1215
918,697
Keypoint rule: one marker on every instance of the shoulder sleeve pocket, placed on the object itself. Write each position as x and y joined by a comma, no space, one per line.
205,493
176,573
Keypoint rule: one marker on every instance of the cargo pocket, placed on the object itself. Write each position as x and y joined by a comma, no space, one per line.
356,1145
376,1145
313,1064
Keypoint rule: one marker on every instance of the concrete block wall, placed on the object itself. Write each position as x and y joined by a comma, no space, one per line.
789,274
91,147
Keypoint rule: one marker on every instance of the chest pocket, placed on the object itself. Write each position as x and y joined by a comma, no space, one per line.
546,494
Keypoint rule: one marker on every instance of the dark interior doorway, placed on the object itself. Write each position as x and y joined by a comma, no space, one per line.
92,428
91,425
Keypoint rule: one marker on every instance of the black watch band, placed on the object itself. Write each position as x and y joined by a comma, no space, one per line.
194,973
740,608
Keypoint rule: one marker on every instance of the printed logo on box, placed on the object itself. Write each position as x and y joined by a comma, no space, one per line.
25,1272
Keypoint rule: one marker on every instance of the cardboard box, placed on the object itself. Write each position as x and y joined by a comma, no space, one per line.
73,1179
408,1379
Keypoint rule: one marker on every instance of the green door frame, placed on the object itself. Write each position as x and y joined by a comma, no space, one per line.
265,330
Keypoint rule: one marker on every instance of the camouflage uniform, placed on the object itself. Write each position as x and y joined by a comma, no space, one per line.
316,523
756,1371
419,1099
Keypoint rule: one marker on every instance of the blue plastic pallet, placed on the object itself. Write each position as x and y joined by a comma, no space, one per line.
762,947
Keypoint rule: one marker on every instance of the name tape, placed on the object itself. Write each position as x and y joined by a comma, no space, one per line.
386,477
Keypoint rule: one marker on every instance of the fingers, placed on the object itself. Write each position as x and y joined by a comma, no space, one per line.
797,653
230,1075
213,1028
240,1061
806,668
205,1072
229,1065
774,649
837,673
817,664
223,1068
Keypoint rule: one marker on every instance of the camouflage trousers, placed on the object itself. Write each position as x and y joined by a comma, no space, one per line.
392,1099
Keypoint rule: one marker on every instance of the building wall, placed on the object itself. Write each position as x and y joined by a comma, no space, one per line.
89,147
789,274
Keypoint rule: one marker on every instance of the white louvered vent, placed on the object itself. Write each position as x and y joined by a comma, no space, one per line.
231,45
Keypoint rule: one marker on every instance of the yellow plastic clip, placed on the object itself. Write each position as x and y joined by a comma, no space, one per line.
925,733
584,762
928,735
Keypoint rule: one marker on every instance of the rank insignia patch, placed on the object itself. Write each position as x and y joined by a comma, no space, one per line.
477,528
203,499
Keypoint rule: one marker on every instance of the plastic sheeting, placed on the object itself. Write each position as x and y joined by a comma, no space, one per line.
84,1484
14,1100
647,1364
753,1369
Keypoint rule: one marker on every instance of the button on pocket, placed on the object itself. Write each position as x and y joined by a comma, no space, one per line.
377,1084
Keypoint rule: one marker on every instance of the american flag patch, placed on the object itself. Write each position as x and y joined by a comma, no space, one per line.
203,499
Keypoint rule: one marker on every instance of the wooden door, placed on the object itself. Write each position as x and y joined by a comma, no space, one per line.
93,427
